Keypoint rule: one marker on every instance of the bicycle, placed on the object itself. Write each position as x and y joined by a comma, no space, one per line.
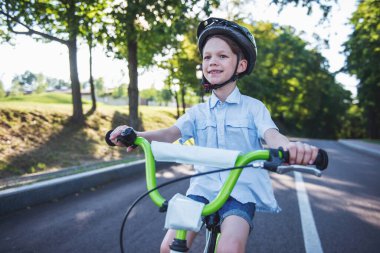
270,159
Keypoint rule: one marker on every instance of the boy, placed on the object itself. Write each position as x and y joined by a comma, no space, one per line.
229,120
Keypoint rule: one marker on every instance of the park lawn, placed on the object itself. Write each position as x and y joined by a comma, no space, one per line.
36,134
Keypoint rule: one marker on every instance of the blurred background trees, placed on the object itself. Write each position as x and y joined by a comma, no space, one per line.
363,58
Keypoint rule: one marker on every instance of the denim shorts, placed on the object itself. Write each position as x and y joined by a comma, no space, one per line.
232,207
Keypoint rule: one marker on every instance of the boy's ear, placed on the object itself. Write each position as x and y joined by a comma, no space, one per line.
242,66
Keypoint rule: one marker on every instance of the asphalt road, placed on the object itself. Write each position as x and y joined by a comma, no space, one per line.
345,204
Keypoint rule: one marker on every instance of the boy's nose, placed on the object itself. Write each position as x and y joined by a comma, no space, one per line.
213,61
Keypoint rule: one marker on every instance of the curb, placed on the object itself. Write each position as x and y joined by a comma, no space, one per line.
17,198
360,148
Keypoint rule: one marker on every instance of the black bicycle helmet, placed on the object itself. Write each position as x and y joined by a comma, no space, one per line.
239,34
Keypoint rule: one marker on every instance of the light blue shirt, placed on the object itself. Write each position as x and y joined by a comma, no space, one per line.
239,123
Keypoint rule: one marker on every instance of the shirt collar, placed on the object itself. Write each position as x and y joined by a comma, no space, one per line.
233,98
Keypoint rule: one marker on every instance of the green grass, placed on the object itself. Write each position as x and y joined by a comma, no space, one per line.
372,141
36,133
43,98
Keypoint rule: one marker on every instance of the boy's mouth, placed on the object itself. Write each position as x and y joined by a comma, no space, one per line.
215,72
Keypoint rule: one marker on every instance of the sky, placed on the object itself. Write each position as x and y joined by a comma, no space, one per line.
51,59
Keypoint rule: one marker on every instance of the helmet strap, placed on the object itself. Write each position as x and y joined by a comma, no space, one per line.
208,87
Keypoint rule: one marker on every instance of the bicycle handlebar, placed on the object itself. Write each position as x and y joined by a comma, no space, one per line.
273,161
128,137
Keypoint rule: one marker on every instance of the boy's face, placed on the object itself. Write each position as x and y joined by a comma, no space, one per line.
219,61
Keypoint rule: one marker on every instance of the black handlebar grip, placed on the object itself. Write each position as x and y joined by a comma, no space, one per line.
127,137
107,138
321,162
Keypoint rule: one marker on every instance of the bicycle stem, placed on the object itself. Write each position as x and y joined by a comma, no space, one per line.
229,185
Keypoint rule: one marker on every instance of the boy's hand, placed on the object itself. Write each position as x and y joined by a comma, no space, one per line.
115,133
301,153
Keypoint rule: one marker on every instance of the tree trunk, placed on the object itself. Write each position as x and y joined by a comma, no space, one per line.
93,97
78,116
73,25
183,92
177,103
133,91
373,123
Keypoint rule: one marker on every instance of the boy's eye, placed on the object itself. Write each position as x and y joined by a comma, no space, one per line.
206,57
223,56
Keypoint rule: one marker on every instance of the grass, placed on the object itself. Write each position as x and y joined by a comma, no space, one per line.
36,133
372,141
43,98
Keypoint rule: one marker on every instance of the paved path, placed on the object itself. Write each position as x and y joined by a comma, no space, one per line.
344,203
371,148
17,198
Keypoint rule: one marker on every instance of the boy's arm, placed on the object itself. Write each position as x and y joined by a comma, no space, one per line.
274,139
299,153
169,134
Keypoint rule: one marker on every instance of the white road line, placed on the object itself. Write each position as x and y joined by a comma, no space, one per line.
309,230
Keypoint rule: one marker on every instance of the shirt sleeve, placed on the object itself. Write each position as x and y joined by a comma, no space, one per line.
185,125
263,120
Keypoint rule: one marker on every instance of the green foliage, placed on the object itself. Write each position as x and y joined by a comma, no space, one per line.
153,95
150,94
154,25
142,30
353,125
23,84
27,78
165,96
56,84
182,66
99,86
41,84
295,84
363,54
120,91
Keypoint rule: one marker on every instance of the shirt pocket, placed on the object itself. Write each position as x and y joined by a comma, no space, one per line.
241,132
205,133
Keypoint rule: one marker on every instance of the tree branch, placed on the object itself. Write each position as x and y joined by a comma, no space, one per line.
30,31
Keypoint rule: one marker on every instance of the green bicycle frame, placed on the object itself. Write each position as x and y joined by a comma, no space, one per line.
224,193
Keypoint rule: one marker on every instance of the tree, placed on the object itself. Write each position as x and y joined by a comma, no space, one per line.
59,21
164,96
99,86
182,66
56,84
363,54
28,78
324,5
142,30
295,84
41,84
120,91
94,32
150,94
24,83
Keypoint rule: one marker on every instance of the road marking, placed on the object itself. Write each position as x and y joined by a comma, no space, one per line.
309,230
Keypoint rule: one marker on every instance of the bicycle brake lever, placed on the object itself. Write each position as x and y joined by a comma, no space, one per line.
300,168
